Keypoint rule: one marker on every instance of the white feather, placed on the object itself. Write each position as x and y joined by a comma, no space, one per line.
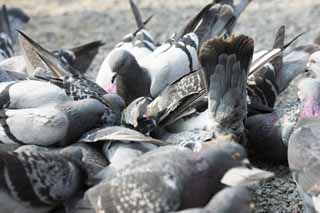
40,126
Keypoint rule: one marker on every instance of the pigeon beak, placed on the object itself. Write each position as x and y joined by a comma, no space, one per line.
245,175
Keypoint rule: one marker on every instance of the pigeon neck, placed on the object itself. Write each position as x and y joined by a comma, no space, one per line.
311,108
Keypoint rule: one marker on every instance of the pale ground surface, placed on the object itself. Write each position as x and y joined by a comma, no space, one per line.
65,23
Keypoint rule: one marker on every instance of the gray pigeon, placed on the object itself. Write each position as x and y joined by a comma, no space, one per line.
89,159
26,94
172,60
268,134
75,84
265,83
167,179
225,63
61,123
229,200
120,146
154,72
37,181
304,146
139,44
79,58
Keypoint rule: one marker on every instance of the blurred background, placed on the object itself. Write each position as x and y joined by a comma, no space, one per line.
61,23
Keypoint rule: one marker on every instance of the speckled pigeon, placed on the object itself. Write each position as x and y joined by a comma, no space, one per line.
167,179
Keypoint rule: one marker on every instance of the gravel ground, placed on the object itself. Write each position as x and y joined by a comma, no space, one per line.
60,23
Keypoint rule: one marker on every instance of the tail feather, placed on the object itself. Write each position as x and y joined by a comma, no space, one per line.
30,49
5,24
263,84
85,54
211,21
225,63
278,43
136,14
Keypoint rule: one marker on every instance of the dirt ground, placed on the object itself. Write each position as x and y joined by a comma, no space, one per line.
65,23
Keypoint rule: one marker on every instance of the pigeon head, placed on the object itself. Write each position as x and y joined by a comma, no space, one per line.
314,64
131,80
309,93
121,61
221,156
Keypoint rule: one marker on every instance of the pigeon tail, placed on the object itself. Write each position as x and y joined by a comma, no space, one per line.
211,21
136,14
225,64
80,57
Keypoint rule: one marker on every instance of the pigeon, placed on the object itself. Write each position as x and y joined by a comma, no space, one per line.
225,63
262,86
154,182
164,65
73,82
26,94
120,146
268,133
228,200
303,146
59,124
172,60
267,82
79,57
139,44
37,181
89,158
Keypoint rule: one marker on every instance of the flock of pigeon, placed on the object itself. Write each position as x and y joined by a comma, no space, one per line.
164,128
